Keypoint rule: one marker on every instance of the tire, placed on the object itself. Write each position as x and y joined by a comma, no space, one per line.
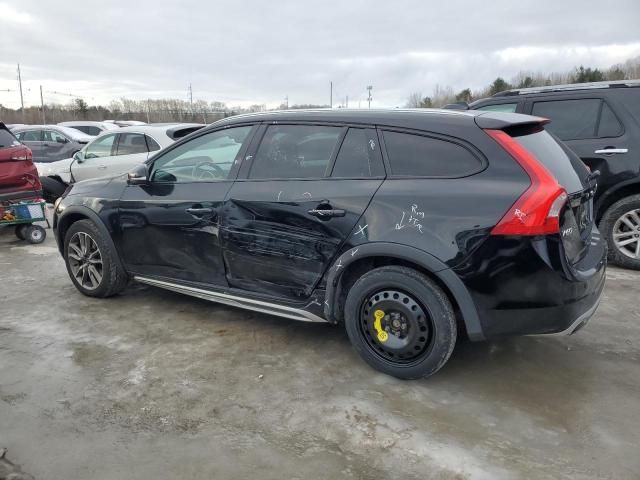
612,224
52,188
421,313
20,230
112,278
35,234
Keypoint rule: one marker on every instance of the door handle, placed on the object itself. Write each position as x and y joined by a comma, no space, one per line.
611,151
199,212
102,167
326,213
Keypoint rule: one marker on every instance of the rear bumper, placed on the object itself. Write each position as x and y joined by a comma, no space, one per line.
519,292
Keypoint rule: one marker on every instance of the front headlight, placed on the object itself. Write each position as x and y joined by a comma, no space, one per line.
56,203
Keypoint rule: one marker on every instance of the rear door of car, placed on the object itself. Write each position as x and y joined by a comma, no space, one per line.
298,197
592,127
131,150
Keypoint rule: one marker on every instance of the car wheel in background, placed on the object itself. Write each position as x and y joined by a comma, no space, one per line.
621,225
400,322
20,229
92,262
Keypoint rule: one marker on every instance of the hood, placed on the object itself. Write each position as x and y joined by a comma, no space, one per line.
61,168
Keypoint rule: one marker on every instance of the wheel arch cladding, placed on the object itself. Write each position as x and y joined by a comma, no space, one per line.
355,261
76,213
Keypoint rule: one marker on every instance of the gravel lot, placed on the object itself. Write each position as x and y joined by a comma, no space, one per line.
154,385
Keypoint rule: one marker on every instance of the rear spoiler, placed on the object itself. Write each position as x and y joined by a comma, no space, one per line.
180,131
457,106
502,120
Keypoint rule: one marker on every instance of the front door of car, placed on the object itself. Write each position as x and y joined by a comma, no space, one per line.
594,131
33,140
92,159
286,217
170,226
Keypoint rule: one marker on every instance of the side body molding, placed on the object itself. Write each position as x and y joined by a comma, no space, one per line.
410,254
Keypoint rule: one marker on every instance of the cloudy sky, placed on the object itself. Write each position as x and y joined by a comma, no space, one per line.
253,51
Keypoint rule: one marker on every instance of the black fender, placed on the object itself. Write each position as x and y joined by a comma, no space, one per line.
410,254
90,215
611,191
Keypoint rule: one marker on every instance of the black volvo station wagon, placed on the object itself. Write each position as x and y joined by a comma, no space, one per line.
409,227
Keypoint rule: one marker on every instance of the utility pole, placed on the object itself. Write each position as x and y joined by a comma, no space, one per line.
21,97
42,106
331,95
369,98
191,97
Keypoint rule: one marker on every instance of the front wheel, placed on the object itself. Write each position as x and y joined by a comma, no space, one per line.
400,322
621,226
92,262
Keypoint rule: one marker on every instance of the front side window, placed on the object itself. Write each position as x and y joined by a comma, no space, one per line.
570,119
500,107
359,155
30,136
206,158
53,136
101,147
131,143
295,151
420,156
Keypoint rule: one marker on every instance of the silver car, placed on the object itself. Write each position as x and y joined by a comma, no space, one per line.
111,153
90,128
49,143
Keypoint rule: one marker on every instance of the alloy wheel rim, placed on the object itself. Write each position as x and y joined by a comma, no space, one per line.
626,234
85,260
396,327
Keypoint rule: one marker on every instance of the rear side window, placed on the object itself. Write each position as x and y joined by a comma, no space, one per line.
609,125
359,155
131,143
417,155
295,151
564,165
30,136
570,119
7,139
501,107
152,145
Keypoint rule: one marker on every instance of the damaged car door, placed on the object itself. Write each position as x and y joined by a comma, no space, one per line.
293,205
170,224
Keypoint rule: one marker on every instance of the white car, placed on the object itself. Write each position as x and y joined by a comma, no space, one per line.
90,128
112,153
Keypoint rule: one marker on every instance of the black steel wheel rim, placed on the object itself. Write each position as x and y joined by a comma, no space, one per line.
404,333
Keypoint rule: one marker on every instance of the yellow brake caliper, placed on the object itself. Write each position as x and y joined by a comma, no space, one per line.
382,335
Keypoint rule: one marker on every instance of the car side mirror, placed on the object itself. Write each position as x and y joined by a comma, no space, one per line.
139,175
61,140
78,156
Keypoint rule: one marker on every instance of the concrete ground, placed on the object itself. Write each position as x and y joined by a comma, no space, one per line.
154,385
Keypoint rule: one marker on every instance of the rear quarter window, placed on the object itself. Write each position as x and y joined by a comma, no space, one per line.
7,139
421,156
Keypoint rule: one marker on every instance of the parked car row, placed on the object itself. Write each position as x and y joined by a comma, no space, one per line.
409,228
111,153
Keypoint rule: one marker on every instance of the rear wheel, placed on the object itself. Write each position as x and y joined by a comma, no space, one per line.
400,322
92,262
621,225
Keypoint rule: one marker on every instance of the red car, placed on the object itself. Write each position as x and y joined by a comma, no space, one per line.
18,175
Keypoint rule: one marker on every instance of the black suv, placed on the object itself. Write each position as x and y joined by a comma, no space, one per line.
601,123
408,227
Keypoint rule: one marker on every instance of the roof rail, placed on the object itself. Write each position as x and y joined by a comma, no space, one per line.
570,86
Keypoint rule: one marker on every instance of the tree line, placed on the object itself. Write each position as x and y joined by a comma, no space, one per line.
443,95
201,111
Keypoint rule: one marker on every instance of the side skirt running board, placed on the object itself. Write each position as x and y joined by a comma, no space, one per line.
235,300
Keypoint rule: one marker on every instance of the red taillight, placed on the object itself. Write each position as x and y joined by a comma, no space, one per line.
537,211
22,155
